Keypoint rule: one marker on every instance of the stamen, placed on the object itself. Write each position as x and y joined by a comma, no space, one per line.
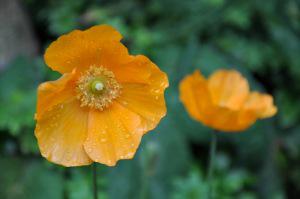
97,88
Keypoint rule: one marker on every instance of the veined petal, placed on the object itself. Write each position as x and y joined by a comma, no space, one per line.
113,134
55,92
228,88
145,101
143,86
139,69
61,133
261,104
99,45
195,96
228,120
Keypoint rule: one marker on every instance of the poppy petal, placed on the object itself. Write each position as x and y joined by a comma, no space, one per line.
113,134
145,101
54,92
195,96
98,45
262,104
228,88
228,120
61,132
148,73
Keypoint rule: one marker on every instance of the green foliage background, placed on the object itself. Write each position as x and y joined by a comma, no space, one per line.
259,38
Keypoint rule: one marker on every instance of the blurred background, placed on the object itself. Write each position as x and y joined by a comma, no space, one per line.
261,39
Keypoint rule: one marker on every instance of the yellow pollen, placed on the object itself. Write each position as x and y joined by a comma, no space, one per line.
97,88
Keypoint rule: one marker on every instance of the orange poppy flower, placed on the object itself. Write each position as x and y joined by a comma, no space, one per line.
103,104
223,101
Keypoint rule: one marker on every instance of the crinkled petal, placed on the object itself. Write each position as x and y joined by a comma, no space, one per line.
139,69
195,96
143,86
55,92
228,88
261,104
99,45
228,120
145,101
113,134
61,133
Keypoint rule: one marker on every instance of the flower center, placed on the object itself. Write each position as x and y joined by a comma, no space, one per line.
97,88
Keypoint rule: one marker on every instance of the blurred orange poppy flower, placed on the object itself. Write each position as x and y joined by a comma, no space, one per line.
103,104
223,101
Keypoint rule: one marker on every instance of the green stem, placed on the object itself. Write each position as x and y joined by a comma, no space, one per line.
95,191
212,154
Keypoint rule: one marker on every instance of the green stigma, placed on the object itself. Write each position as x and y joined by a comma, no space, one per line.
97,86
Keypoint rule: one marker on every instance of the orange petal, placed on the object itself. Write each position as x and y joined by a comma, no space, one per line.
262,104
55,92
98,45
228,120
61,132
148,73
228,88
113,134
143,94
195,96
146,101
